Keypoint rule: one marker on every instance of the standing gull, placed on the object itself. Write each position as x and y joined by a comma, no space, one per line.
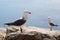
51,24
20,22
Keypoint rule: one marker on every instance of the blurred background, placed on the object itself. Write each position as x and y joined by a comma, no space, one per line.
10,10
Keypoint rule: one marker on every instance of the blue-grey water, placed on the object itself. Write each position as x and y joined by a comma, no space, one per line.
11,10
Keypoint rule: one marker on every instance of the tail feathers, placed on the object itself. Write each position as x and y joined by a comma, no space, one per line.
8,24
56,25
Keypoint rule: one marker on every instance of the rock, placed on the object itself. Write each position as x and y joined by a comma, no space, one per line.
57,37
8,31
31,36
1,37
28,36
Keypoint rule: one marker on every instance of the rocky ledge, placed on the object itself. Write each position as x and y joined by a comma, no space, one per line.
32,36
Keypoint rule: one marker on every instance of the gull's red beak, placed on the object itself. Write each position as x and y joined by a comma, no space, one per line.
29,12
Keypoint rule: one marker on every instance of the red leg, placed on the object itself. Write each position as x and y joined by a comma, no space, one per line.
50,28
21,30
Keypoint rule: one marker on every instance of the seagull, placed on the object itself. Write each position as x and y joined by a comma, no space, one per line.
20,22
51,24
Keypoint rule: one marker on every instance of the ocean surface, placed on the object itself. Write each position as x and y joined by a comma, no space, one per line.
10,10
